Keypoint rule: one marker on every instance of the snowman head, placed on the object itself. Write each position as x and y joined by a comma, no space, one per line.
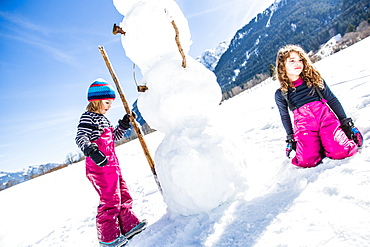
150,34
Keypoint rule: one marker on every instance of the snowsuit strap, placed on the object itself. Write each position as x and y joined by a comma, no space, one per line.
319,93
290,105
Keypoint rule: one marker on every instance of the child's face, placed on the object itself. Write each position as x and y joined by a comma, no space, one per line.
106,105
293,66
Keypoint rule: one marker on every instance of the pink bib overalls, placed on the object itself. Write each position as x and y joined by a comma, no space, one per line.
318,135
115,215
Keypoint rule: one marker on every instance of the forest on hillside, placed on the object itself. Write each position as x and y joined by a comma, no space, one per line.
254,46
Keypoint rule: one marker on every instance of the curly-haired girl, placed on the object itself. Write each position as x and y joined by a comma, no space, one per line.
321,127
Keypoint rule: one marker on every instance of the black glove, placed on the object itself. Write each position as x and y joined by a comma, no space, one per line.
125,122
346,124
351,131
96,155
291,145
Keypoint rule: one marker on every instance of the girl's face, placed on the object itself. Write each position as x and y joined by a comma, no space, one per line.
293,66
105,106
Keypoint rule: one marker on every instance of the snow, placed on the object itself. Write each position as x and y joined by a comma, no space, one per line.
293,26
328,48
328,205
257,40
236,73
272,8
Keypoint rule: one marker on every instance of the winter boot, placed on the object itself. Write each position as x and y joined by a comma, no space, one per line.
137,229
120,241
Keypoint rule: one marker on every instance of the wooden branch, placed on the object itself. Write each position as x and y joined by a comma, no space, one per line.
117,29
132,118
179,44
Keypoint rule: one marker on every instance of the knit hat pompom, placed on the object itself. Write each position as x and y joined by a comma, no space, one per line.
100,90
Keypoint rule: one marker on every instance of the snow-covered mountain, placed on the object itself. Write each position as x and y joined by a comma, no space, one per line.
328,48
210,57
328,205
9,179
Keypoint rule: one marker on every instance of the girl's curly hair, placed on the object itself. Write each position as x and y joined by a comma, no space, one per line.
309,74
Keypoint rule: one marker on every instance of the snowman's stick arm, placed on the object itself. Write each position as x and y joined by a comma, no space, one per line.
132,119
177,38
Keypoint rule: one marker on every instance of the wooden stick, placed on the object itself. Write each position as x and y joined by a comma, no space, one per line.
132,119
179,44
117,29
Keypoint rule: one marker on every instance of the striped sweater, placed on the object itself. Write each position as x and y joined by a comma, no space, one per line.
90,128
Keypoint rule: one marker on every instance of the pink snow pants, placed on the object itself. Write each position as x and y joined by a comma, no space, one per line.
318,135
115,215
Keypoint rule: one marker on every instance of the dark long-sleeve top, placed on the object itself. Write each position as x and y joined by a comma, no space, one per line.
91,127
301,96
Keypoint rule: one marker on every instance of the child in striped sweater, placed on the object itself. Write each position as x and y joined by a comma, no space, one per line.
115,220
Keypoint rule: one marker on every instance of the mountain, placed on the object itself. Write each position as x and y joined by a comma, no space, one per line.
9,179
210,57
254,47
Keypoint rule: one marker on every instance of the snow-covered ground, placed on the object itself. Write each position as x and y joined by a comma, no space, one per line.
328,205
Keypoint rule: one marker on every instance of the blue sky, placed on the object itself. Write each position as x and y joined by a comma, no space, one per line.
49,57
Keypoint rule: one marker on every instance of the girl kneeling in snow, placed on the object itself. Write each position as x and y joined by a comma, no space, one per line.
321,127
115,219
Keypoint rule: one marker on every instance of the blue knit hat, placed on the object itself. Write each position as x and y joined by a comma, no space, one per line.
100,90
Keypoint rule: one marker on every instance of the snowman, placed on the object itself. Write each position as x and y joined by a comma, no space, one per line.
197,166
